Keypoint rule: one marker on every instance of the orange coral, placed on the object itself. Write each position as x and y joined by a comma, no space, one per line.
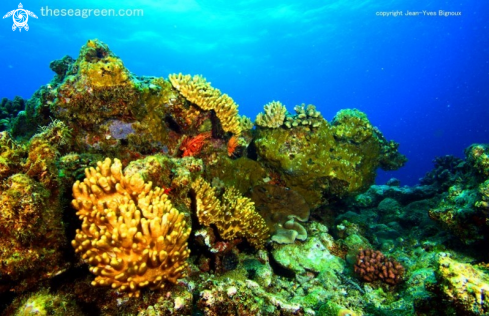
232,144
192,146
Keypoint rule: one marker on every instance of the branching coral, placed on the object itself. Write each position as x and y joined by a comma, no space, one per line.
273,117
131,235
235,217
306,116
245,123
352,125
200,92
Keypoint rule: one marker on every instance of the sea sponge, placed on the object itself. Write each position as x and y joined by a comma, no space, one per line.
235,217
200,92
273,117
131,235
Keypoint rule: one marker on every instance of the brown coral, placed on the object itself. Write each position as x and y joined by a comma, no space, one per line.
373,265
200,92
235,217
131,235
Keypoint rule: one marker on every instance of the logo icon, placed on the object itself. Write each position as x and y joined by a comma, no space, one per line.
20,17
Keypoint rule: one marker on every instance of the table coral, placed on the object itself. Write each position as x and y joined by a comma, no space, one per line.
131,235
235,217
200,92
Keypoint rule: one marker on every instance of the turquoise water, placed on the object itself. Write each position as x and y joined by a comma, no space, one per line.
422,79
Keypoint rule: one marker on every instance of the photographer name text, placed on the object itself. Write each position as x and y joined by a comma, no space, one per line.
441,13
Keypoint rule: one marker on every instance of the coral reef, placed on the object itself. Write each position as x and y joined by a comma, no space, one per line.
463,285
43,303
131,235
9,109
200,92
281,207
373,265
273,117
290,177
314,255
478,156
235,217
305,116
327,164
352,125
193,146
31,224
462,209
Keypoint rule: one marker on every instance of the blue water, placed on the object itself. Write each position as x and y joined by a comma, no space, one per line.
423,80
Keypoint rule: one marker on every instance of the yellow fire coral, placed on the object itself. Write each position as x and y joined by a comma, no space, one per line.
274,115
235,217
131,235
197,90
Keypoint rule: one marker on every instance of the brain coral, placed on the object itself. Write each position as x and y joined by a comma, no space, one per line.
131,235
